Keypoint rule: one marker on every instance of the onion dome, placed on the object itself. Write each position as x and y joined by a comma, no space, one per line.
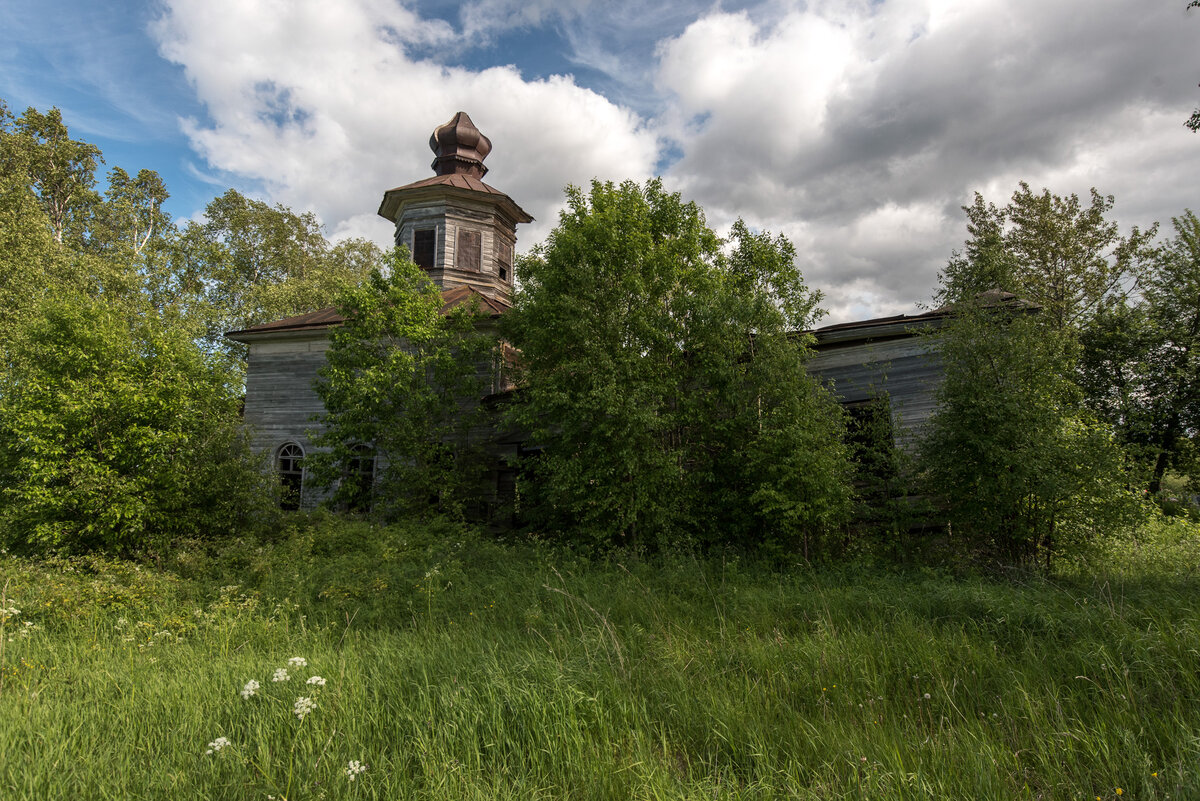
460,148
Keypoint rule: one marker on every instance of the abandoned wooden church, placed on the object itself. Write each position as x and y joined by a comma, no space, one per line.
462,232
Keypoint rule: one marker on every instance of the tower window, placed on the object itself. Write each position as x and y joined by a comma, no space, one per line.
424,245
289,464
468,251
503,259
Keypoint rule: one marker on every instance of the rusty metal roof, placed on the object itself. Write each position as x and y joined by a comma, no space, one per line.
457,180
329,317
389,207
459,147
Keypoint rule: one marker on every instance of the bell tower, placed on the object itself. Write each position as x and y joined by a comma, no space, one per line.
459,230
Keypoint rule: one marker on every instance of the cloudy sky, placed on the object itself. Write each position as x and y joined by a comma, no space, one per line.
855,127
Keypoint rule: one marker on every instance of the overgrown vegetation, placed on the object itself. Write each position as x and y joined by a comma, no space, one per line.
1070,367
117,433
401,387
662,375
691,648
459,667
119,396
661,378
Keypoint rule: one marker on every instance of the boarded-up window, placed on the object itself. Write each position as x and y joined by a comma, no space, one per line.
424,244
468,251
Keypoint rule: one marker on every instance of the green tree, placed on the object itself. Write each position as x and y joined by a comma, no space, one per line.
1050,250
130,220
985,263
1024,470
403,379
42,194
250,262
1141,357
660,378
116,432
58,170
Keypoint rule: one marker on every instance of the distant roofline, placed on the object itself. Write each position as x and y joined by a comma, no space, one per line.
330,317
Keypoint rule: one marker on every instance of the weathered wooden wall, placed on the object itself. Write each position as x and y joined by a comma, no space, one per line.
281,402
896,361
876,360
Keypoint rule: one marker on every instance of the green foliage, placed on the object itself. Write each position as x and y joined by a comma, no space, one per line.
1141,357
660,377
118,391
985,263
1022,468
116,432
1049,250
536,673
46,201
58,170
249,262
404,377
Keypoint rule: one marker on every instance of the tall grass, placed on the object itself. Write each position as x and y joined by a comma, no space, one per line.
459,668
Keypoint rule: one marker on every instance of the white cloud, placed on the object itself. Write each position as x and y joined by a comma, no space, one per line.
860,128
856,127
324,105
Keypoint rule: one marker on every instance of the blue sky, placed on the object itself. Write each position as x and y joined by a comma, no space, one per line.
855,127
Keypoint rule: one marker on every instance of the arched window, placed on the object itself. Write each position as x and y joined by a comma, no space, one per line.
289,464
360,476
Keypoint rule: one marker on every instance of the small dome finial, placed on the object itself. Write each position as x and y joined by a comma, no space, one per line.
460,147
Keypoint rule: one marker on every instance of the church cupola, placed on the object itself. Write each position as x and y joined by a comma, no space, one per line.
460,148
457,228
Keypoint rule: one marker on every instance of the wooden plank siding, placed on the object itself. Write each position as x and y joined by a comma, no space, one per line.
280,399
893,360
898,361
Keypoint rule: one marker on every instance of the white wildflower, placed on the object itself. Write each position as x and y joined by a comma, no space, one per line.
316,681
122,622
353,769
280,675
218,744
303,706
297,662
250,689
927,696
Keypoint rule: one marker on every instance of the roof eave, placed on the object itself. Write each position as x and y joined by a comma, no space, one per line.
393,199
250,335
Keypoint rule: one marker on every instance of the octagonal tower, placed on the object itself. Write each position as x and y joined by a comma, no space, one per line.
459,230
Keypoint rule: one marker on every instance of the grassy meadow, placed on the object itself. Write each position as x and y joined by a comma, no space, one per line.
453,667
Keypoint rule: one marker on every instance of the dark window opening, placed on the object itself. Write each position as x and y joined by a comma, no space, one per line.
424,245
289,464
871,439
522,476
360,479
467,254
503,259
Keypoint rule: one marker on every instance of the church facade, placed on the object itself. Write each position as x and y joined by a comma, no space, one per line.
463,233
